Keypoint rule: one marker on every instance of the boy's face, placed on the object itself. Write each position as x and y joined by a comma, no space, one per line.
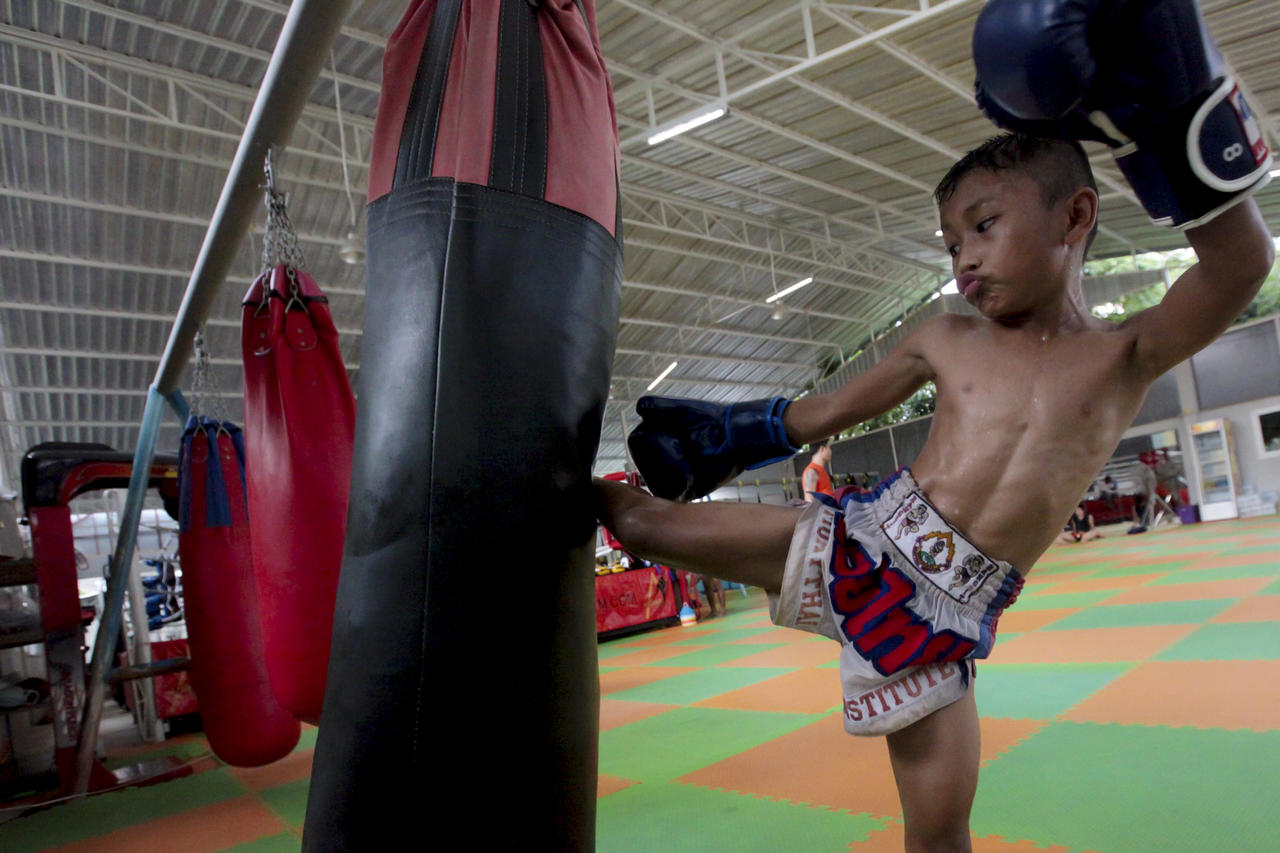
1006,246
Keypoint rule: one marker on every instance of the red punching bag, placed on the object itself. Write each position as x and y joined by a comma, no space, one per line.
245,724
299,416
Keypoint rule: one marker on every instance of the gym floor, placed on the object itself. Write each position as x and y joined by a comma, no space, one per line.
1131,704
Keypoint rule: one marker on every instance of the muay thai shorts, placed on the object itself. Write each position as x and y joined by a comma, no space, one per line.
911,601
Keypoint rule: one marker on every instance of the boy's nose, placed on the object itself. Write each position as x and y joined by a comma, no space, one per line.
967,261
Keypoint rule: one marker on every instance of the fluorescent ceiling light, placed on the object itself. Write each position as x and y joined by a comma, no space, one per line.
950,287
662,376
1275,173
792,289
937,233
686,122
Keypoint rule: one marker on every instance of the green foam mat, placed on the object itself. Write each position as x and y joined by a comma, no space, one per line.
1234,641
1050,601
1139,615
655,817
716,654
288,800
693,687
98,815
681,741
1134,788
1225,573
1040,691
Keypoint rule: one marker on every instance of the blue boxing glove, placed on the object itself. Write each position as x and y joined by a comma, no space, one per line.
686,448
1142,76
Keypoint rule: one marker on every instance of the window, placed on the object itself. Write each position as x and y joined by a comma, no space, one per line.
1267,422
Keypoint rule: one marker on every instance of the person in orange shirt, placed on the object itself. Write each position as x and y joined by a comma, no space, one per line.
815,477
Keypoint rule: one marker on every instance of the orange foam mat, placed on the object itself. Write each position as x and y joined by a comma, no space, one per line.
1197,591
1101,584
1015,621
636,676
606,785
199,830
1260,608
821,765
1204,694
818,764
294,766
653,654
1196,558
1035,580
619,712
777,635
1227,561
792,654
1090,645
805,691
662,637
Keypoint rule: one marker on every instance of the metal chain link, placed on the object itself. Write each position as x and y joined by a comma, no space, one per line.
280,245
205,396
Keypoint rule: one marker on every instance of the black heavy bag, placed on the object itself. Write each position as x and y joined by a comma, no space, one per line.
461,692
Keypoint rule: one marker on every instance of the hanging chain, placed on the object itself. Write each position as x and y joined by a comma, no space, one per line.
205,396
280,245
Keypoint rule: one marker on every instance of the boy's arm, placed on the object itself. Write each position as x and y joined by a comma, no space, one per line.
1235,252
893,379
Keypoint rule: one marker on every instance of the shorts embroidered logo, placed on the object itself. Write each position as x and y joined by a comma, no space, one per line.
939,553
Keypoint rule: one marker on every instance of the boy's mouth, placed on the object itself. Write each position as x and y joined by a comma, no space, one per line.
968,286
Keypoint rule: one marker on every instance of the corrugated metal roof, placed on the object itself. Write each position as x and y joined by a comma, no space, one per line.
119,119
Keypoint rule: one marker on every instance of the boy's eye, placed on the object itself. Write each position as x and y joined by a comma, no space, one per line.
953,250
985,224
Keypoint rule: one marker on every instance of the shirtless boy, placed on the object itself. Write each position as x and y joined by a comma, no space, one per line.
911,576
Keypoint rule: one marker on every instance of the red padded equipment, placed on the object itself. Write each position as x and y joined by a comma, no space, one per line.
299,416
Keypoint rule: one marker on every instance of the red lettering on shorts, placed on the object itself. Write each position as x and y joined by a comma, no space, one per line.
865,699
810,603
893,689
851,710
912,681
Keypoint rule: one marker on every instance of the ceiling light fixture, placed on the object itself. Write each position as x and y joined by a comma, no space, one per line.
950,287
662,376
687,122
792,289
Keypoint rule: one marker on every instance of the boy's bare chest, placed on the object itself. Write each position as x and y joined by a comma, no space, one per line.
1056,386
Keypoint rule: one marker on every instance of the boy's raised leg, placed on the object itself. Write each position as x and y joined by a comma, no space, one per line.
935,762
745,543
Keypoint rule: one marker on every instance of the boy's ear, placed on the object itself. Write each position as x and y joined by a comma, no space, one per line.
1082,215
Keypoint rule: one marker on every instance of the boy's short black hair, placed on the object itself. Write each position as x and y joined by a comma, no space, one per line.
1058,166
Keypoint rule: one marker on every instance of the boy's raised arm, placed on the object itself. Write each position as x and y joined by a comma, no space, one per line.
1178,126
1235,252
893,379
